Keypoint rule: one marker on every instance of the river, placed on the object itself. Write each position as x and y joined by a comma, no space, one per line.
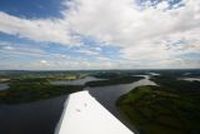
190,79
108,96
41,117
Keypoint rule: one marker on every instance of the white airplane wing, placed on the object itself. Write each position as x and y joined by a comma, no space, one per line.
84,115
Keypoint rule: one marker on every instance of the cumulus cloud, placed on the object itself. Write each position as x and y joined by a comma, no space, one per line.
48,30
145,33
8,48
87,52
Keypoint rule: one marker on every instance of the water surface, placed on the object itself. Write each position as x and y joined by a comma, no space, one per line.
108,95
32,118
3,86
190,79
41,117
82,81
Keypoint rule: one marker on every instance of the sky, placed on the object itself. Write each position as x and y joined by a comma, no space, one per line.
89,34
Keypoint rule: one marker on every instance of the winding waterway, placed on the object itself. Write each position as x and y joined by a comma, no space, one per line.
41,117
108,95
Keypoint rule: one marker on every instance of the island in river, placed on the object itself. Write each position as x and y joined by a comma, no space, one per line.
45,92
170,108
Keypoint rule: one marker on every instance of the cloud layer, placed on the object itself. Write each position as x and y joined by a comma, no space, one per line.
149,35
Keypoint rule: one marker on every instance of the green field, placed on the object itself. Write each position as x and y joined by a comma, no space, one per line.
23,90
157,110
29,87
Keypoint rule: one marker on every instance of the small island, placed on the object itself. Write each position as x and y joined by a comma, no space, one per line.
170,108
29,87
24,90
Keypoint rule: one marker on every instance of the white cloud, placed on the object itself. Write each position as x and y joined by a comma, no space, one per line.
8,48
43,62
145,36
49,30
87,52
140,34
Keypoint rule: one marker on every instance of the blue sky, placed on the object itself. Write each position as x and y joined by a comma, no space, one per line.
32,9
84,34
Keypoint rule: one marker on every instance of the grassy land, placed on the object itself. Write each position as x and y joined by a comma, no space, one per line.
25,90
156,110
172,83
